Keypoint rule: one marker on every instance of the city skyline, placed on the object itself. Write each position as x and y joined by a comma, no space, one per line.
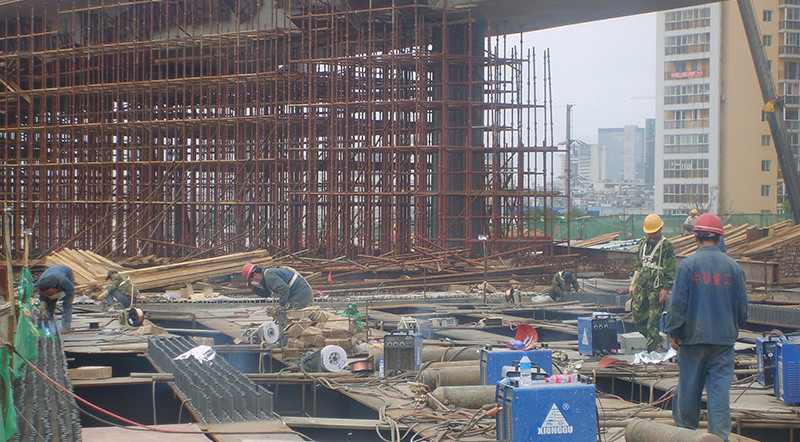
603,94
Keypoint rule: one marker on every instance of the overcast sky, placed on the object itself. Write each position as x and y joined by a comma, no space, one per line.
606,69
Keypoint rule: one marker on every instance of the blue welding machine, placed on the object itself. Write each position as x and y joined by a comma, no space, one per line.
547,412
787,371
597,335
765,359
494,359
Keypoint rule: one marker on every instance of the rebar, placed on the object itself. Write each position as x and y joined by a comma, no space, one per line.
182,129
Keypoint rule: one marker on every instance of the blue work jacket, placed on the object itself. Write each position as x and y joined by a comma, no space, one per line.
709,299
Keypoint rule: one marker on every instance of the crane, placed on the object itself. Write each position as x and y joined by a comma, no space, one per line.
780,138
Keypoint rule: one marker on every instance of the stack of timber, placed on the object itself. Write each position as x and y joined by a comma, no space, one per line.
86,266
685,245
747,241
313,327
765,247
179,274
600,239
139,261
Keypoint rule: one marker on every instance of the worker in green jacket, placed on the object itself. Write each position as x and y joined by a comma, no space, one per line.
121,290
652,280
563,282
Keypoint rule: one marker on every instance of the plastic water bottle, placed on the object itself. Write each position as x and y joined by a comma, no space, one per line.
560,379
525,370
380,368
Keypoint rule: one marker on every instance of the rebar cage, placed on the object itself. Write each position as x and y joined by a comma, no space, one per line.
189,128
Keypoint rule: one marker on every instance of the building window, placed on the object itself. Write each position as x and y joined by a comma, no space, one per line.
791,70
767,39
766,140
765,190
687,143
688,19
767,15
687,44
766,165
689,93
686,168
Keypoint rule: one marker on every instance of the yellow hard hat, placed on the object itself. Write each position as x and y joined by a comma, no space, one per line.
693,212
653,223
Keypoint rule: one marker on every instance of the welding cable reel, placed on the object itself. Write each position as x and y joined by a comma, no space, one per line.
270,332
132,317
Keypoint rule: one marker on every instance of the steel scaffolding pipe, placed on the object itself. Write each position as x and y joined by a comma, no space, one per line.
191,128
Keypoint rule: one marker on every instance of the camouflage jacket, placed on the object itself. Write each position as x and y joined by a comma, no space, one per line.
656,271
124,284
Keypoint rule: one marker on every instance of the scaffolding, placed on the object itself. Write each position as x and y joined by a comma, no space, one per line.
192,128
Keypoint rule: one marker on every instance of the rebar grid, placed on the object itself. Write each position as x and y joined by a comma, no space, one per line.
188,128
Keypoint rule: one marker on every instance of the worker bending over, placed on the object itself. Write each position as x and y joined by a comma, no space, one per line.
284,283
57,282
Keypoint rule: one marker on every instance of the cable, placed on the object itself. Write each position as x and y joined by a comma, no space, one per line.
32,427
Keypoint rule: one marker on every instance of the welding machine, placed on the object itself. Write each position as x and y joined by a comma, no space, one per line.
402,352
597,335
765,359
493,361
546,412
787,371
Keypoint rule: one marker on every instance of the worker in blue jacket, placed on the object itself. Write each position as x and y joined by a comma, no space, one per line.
57,282
284,283
707,307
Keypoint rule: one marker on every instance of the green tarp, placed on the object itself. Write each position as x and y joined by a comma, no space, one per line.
630,226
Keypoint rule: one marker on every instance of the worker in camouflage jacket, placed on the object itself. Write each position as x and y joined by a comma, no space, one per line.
120,290
563,282
652,280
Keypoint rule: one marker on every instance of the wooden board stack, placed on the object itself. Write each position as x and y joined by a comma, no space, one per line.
313,327
90,269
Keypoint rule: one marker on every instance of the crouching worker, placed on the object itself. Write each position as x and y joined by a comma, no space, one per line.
120,290
563,282
284,283
57,282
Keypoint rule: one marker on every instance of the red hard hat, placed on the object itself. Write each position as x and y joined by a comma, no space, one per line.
248,270
708,222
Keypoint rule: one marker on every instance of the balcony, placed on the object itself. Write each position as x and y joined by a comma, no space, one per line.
789,24
687,24
792,50
686,124
686,99
792,124
687,49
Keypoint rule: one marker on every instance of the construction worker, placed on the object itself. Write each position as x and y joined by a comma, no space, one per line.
688,225
57,282
121,290
291,289
707,309
563,282
652,280
513,293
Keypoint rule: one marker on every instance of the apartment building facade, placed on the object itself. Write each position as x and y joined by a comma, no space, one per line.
713,148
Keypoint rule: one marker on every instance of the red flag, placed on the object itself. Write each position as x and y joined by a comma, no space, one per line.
330,278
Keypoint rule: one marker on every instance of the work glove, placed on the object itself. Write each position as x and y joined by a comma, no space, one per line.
43,311
102,296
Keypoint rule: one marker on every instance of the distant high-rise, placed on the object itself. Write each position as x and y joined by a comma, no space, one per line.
626,146
649,150
713,149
